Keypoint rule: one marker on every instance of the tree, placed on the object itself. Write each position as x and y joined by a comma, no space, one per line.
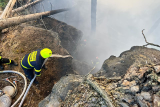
3,3
6,22
93,15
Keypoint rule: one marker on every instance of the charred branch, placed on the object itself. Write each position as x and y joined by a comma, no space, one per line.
25,6
147,41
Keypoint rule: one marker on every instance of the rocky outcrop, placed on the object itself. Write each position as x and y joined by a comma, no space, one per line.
60,90
136,56
137,84
140,86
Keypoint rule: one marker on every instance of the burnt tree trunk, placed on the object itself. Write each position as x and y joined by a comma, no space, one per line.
93,15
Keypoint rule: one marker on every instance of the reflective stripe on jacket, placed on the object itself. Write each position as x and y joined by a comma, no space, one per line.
33,60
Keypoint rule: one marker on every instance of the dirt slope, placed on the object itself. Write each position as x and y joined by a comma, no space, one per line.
25,39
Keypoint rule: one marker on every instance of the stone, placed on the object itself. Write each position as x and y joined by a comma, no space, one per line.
94,99
76,105
135,88
156,101
135,105
101,102
102,87
158,79
142,71
157,68
140,101
95,93
146,88
125,83
155,88
103,106
128,99
123,104
146,96
58,92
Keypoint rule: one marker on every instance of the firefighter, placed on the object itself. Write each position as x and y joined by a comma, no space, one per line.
34,61
6,61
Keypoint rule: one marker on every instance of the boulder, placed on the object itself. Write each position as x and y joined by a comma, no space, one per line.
60,90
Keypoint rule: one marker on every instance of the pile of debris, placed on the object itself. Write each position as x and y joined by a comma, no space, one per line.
139,87
83,96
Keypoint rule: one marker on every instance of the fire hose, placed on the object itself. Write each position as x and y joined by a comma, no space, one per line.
53,55
25,85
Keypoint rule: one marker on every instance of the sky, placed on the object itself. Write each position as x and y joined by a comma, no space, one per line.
119,25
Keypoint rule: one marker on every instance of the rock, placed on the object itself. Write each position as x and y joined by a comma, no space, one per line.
101,102
123,104
135,105
156,101
125,83
94,99
157,68
95,93
128,99
103,106
146,96
58,92
147,88
141,102
102,87
135,88
155,88
142,71
158,79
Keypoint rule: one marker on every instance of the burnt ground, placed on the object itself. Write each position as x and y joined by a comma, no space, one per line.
23,40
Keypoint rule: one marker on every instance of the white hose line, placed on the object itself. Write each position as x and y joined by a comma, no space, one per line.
25,85
30,84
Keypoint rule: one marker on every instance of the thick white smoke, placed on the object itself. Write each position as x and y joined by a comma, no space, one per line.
119,24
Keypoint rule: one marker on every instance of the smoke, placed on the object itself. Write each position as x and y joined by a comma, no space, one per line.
119,25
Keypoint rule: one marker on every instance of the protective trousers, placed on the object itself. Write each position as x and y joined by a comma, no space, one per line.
29,73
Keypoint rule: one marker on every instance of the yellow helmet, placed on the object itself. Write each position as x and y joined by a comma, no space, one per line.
46,53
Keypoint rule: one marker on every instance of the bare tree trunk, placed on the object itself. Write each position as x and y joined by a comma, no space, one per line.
5,23
19,9
93,15
26,6
7,11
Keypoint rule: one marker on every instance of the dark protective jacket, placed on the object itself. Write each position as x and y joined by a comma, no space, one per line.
5,61
33,61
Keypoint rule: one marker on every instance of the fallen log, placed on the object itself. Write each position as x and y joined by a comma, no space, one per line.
19,9
8,9
5,23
